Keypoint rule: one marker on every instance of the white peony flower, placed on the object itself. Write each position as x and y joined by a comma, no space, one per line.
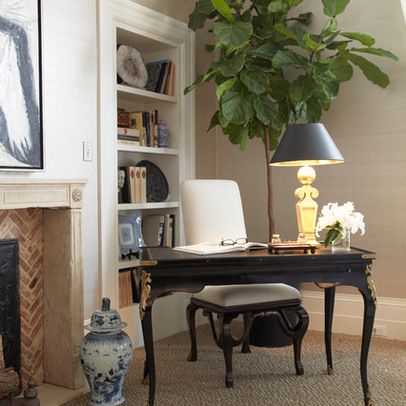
340,218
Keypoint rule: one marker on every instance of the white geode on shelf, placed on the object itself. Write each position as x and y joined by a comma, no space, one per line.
131,67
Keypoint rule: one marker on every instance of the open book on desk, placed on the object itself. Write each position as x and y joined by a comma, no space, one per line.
210,248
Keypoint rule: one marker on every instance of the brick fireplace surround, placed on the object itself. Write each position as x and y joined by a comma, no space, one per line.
51,275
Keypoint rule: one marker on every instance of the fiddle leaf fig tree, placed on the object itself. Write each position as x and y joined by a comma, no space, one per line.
271,71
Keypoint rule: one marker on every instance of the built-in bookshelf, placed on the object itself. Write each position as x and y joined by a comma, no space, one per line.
156,37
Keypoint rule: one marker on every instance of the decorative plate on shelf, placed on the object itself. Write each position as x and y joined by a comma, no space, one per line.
157,185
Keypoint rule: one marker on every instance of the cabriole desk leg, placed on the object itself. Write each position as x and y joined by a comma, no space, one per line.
369,294
149,368
329,297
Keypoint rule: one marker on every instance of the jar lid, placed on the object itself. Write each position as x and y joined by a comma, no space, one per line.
105,320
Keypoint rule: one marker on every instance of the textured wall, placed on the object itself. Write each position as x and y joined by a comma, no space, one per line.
70,115
368,126
179,9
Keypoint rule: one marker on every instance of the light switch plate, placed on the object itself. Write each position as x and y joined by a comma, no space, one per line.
87,151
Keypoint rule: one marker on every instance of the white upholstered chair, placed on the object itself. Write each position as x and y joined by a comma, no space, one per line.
212,211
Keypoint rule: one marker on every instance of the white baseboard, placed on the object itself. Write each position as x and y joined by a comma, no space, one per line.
348,313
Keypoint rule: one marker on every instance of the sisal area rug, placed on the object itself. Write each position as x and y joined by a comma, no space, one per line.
266,377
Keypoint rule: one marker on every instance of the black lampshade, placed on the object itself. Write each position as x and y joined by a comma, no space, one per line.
306,144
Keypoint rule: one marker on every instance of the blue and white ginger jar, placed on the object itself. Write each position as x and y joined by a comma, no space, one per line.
105,355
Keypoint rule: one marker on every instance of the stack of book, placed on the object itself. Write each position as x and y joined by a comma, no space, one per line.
141,127
125,289
130,136
135,184
147,123
159,230
161,77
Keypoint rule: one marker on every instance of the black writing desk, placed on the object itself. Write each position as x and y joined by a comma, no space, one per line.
163,270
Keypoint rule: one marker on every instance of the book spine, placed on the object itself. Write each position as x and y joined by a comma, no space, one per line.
125,142
161,77
128,138
123,118
137,184
143,184
147,128
139,126
134,286
168,231
133,119
172,225
159,241
133,184
129,293
152,128
172,79
166,86
156,127
129,132
121,286
165,78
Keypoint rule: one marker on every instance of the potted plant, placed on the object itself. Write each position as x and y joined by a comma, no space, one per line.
270,71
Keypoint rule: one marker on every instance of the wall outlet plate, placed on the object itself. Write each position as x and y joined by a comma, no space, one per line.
379,331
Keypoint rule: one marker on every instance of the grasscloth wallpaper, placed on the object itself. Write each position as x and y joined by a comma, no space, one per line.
368,125
366,122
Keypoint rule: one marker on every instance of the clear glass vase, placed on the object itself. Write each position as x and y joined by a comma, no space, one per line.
342,242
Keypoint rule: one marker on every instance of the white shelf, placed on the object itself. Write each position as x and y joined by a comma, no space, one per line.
123,264
141,95
146,206
157,37
146,150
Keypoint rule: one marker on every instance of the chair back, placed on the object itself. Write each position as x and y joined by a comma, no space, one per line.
212,210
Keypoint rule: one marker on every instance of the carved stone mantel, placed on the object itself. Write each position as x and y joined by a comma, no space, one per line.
62,269
46,193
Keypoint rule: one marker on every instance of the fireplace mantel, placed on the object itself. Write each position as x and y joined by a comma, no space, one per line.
46,193
62,269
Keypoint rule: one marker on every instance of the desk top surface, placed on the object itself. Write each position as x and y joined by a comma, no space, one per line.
167,256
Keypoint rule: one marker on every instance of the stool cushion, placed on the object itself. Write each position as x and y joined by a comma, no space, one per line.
240,295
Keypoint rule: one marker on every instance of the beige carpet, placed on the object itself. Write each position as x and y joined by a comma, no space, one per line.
266,377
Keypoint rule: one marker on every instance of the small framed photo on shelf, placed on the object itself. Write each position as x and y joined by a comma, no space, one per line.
130,235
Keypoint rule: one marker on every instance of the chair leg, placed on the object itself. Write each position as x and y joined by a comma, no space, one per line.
209,315
301,329
227,342
190,316
245,344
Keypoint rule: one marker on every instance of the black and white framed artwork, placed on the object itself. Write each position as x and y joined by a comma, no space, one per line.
21,138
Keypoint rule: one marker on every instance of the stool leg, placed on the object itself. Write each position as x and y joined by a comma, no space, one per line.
245,344
226,342
301,329
190,316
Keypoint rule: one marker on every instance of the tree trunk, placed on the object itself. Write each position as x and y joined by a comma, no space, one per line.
271,224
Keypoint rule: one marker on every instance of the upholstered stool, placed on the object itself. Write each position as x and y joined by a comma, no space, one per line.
254,300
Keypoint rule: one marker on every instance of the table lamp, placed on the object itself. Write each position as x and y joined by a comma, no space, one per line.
304,145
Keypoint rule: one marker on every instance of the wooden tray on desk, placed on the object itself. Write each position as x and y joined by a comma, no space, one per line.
292,246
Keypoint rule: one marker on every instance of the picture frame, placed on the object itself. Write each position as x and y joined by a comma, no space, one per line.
129,234
21,110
